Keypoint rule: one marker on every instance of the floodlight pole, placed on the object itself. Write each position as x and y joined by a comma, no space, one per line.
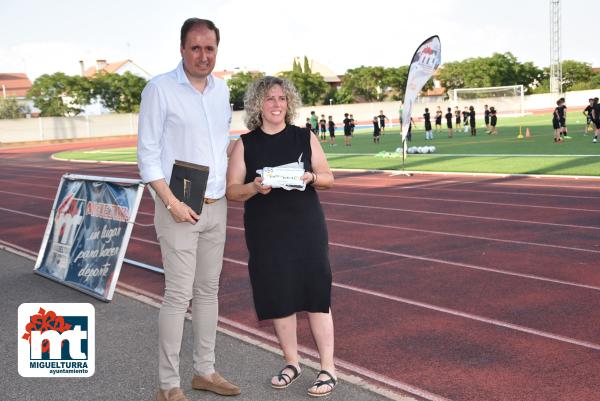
555,48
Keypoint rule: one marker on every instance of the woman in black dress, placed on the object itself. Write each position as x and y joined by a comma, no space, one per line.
286,234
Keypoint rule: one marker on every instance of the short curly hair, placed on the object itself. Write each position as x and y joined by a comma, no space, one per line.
255,96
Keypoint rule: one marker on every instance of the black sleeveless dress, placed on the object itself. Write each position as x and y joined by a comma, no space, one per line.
286,234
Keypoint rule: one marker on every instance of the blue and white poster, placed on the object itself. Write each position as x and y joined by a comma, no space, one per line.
88,232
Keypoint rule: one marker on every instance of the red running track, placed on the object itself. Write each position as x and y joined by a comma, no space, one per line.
445,286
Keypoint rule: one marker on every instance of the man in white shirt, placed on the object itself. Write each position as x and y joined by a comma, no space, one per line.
185,115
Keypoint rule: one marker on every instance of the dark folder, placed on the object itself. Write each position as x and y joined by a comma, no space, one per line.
188,183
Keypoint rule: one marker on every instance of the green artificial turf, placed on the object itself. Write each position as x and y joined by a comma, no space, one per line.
503,153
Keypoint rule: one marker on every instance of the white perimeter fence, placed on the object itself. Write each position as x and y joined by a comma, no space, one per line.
81,127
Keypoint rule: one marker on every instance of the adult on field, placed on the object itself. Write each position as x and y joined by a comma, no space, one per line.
286,234
185,115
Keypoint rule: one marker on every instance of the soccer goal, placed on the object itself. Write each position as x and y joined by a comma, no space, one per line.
506,99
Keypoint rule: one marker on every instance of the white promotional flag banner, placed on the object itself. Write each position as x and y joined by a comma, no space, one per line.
426,60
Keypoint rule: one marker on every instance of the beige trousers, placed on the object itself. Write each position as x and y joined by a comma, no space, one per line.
192,256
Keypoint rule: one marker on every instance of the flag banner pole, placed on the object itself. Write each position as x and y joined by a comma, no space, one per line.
425,61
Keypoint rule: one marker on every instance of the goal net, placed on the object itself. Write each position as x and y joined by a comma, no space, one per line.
505,99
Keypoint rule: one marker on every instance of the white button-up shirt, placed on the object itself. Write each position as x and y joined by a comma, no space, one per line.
178,122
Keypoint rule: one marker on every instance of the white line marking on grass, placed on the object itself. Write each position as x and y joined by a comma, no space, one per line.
462,215
464,201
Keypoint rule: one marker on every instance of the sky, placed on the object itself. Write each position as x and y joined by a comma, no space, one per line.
42,37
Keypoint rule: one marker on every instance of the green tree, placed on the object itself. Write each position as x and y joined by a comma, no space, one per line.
10,109
306,66
60,95
296,66
595,81
238,85
338,96
119,93
395,80
576,72
498,70
365,83
311,87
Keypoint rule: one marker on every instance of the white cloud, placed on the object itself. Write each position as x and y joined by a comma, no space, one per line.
267,34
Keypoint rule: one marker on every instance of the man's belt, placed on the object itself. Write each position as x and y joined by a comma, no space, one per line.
208,201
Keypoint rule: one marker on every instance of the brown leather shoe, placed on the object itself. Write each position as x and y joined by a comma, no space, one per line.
175,394
217,384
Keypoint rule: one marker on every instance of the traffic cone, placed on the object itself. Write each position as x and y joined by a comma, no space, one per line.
520,136
527,133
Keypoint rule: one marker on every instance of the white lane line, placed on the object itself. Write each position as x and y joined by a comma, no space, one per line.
27,195
462,215
462,201
61,167
404,255
464,265
478,318
478,237
257,333
377,377
430,184
454,312
396,187
344,364
384,178
37,216
511,184
468,266
462,235
438,155
449,311
11,182
19,250
506,193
